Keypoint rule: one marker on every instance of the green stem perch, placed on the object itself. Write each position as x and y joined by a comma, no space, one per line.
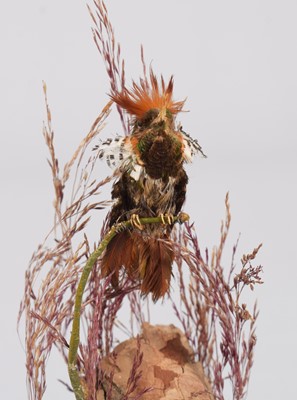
74,338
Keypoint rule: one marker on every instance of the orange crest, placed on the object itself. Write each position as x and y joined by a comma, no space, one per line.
146,96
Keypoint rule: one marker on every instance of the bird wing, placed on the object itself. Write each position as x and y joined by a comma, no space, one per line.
118,153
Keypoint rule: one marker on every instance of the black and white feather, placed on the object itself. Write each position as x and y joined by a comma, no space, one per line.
118,153
115,152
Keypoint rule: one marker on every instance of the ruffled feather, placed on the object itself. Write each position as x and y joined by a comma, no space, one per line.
148,95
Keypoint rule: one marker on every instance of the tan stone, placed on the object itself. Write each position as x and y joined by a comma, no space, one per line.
167,367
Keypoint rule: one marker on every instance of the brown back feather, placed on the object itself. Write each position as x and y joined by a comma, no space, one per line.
158,268
145,258
117,254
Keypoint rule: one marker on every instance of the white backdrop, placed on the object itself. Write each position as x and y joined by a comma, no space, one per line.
236,63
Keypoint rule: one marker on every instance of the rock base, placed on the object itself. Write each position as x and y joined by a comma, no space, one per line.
167,367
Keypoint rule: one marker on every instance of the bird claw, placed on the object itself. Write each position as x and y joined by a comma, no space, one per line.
120,227
167,219
135,222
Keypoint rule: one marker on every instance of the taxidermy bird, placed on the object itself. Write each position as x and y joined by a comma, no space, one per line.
152,183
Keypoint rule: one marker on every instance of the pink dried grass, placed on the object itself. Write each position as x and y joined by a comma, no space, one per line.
53,272
219,328
110,51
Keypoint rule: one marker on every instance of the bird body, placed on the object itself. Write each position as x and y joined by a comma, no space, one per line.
152,183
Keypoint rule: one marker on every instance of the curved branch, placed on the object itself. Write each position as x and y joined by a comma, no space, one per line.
75,333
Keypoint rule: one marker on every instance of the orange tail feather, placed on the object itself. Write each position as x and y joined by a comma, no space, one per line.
148,259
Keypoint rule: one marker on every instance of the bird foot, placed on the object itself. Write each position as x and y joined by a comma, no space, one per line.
135,222
167,219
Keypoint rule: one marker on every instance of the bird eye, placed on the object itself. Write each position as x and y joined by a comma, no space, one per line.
169,114
148,118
